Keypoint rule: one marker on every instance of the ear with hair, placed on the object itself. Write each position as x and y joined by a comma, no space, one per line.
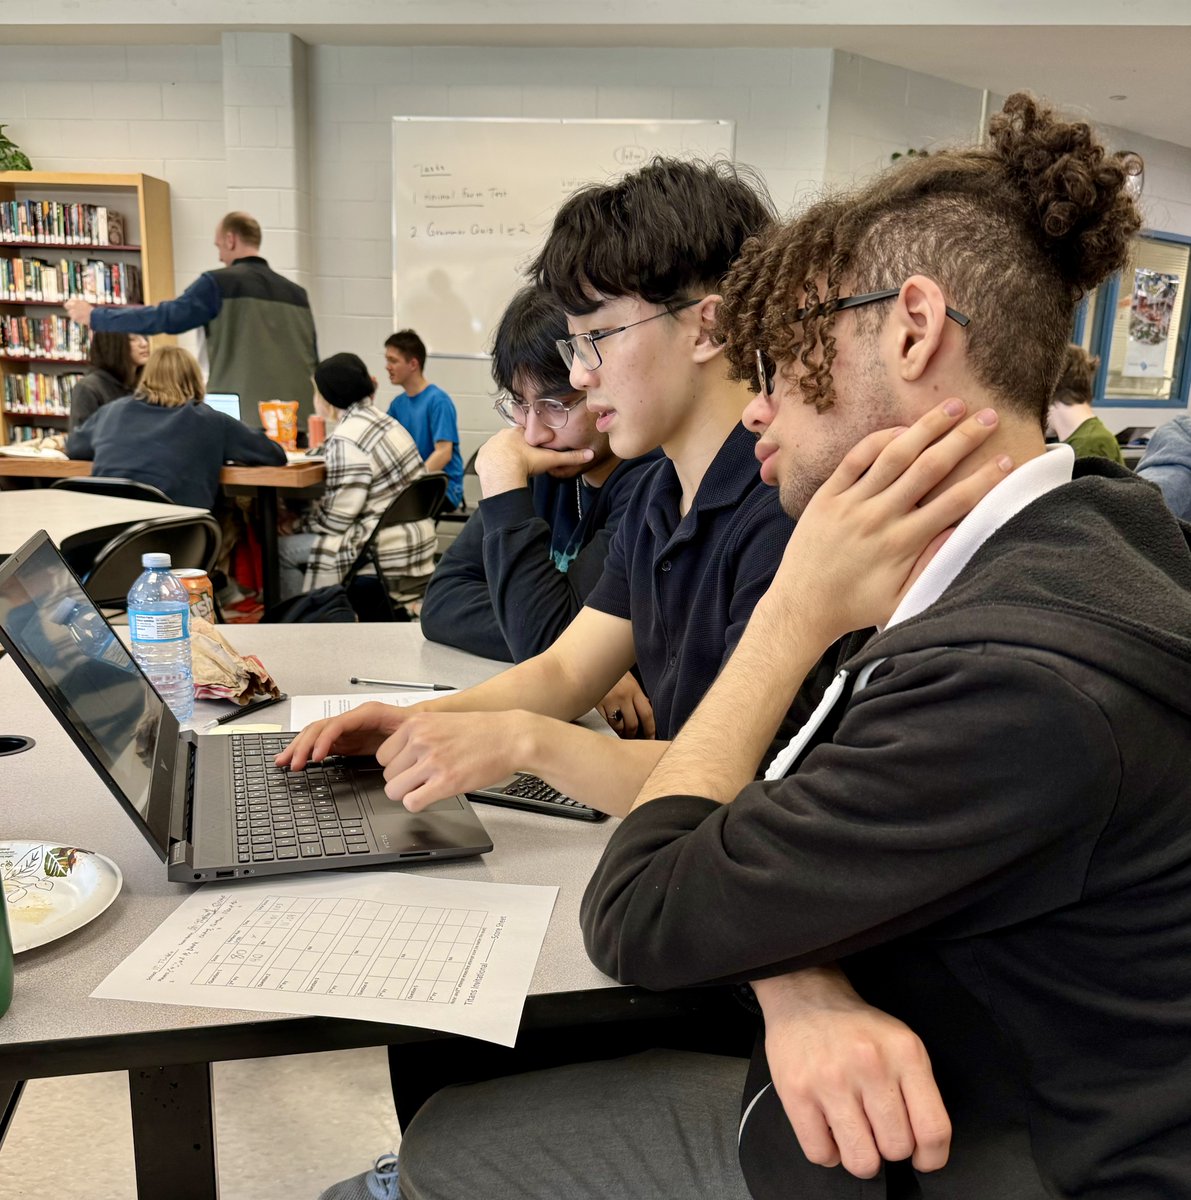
707,344
920,314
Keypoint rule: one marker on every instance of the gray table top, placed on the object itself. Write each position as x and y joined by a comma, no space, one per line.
50,792
65,514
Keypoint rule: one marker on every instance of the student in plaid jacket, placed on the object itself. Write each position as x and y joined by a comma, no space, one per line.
369,458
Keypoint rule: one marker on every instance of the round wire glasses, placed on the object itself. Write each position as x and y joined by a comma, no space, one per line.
552,413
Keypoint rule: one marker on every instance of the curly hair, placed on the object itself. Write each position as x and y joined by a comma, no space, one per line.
1014,233
1076,377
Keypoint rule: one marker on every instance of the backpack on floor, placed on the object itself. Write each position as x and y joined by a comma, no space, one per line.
325,604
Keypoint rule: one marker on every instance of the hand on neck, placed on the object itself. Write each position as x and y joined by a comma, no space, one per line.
1017,435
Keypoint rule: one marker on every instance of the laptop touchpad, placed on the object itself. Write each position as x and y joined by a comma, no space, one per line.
372,784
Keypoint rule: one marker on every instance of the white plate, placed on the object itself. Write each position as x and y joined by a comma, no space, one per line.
52,889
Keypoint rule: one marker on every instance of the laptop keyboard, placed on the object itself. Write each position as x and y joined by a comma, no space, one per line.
283,814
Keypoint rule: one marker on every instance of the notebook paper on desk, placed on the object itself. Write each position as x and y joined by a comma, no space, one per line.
433,953
304,709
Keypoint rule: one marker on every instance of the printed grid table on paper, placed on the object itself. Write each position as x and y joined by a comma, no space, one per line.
348,947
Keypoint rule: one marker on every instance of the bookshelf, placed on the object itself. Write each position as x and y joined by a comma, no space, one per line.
148,247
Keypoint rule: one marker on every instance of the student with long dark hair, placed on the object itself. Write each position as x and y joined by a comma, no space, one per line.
117,360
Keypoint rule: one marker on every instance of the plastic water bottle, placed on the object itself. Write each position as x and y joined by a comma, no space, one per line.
159,622
93,635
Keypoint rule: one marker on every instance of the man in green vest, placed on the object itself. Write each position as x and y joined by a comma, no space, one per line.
259,339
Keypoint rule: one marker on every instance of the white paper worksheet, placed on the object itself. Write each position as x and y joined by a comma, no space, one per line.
375,946
304,709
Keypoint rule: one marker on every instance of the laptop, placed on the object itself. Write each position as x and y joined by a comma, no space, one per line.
224,402
1135,435
214,808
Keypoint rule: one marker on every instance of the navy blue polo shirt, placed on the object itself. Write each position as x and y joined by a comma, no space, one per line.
689,586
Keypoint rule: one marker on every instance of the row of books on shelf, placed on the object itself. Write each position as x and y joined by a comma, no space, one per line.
35,394
44,337
27,433
56,224
70,278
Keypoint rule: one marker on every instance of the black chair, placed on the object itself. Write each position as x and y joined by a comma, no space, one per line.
189,541
461,514
106,485
420,500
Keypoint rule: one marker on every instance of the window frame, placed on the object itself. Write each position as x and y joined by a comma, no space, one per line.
1101,339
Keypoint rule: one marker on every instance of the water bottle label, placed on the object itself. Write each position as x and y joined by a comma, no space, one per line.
158,627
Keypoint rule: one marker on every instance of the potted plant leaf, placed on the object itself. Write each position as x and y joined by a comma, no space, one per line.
12,157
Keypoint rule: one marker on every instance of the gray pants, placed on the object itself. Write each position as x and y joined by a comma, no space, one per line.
293,553
655,1126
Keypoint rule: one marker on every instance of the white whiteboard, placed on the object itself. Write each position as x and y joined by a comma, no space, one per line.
473,200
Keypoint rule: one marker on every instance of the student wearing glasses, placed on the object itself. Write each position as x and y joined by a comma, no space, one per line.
697,545
554,493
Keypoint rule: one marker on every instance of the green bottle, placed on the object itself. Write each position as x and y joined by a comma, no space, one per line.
5,956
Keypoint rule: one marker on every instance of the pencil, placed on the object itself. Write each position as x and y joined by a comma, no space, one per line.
403,683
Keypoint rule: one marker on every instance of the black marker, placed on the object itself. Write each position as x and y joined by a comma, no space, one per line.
255,706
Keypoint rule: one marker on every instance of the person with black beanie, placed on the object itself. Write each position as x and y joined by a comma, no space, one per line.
370,459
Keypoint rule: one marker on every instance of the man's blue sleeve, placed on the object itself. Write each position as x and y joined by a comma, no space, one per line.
444,425
198,305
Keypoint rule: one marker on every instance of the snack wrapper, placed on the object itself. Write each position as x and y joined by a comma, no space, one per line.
222,674
279,419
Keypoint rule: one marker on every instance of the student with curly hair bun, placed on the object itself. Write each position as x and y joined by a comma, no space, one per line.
1071,415
986,826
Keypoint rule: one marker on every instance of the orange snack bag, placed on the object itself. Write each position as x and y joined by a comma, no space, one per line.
279,419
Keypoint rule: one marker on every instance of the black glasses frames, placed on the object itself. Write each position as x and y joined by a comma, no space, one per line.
767,368
582,346
871,298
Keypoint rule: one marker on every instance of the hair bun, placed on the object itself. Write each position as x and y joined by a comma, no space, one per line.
1076,188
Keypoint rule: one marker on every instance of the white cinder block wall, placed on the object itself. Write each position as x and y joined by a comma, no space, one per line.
877,110
190,115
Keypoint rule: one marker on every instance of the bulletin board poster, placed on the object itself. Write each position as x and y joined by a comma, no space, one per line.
1150,310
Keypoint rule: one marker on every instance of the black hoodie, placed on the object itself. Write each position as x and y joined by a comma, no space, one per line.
996,843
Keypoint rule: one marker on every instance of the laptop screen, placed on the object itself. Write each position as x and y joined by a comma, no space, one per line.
72,656
224,402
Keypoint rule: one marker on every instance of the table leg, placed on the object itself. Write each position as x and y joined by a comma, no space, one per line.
10,1097
173,1132
267,500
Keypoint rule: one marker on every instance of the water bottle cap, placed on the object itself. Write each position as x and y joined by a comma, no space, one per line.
153,562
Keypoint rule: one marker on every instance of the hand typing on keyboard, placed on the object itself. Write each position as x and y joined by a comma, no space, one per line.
282,815
360,731
433,755
426,755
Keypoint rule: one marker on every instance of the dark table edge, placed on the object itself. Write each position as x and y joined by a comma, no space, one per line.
309,1035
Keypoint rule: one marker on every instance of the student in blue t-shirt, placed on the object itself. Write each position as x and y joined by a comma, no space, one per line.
425,410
